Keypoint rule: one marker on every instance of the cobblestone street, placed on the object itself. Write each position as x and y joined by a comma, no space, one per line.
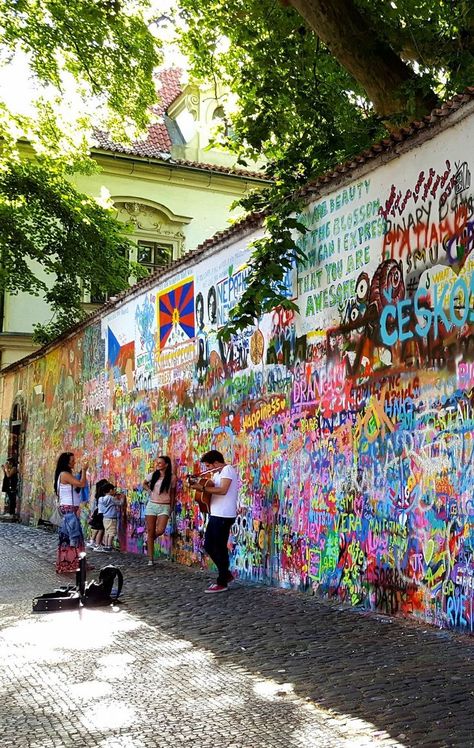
255,667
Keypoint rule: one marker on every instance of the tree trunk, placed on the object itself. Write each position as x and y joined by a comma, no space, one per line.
390,84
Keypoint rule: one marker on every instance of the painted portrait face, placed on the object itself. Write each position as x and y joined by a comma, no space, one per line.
212,305
200,311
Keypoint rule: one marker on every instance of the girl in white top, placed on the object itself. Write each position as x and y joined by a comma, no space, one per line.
65,482
71,539
161,486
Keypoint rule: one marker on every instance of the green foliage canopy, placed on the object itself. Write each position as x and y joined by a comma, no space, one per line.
47,224
105,51
102,47
308,104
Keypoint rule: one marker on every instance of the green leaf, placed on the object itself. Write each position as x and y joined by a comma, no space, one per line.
44,219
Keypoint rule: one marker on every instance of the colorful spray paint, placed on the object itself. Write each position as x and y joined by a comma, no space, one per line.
351,424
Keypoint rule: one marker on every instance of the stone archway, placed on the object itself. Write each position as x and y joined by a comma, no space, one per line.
16,442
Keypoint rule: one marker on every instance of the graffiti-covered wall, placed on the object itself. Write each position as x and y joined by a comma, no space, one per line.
351,424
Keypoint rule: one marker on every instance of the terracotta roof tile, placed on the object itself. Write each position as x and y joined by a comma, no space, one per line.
388,144
169,87
155,147
157,143
219,169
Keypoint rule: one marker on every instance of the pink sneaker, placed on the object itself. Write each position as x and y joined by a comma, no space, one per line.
216,588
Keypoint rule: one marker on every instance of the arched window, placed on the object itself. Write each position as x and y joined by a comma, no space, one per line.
158,234
220,115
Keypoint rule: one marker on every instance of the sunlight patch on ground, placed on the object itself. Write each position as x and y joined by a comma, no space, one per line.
355,732
109,714
116,660
90,689
176,659
109,676
69,630
270,689
114,667
123,741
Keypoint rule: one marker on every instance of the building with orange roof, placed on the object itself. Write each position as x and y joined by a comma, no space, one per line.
173,189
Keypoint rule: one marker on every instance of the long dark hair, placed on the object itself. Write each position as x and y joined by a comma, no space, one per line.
101,487
62,466
165,486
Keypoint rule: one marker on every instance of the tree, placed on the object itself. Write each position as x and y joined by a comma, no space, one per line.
358,41
101,48
103,51
46,221
317,82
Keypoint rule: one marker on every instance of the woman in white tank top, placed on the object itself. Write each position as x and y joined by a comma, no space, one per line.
68,491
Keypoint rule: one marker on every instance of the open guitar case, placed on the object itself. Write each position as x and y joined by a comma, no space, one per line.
94,593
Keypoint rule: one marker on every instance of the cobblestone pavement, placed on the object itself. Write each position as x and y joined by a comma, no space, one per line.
254,668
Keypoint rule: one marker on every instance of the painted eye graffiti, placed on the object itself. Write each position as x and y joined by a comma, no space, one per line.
362,288
354,315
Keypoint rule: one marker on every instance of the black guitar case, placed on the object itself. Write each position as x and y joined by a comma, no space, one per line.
63,598
72,597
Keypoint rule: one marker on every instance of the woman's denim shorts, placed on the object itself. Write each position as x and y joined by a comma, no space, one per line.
153,509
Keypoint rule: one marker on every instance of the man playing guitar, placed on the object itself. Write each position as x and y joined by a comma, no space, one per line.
200,483
223,490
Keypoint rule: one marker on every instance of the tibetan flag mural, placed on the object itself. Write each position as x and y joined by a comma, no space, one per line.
175,315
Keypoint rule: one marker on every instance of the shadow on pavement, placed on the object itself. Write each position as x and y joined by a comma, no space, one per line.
110,677
413,682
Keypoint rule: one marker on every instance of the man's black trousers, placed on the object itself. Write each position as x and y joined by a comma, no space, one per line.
215,544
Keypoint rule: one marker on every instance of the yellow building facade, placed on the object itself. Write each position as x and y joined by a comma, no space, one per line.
173,190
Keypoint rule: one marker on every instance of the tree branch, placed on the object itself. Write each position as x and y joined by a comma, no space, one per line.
360,50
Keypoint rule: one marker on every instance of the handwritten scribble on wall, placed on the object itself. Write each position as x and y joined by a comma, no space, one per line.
351,423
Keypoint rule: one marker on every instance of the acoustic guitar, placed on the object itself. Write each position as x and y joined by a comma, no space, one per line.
201,496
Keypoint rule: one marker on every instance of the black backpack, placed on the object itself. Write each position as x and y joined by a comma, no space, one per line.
100,593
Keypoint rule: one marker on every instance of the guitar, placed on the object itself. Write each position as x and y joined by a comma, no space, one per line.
202,497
